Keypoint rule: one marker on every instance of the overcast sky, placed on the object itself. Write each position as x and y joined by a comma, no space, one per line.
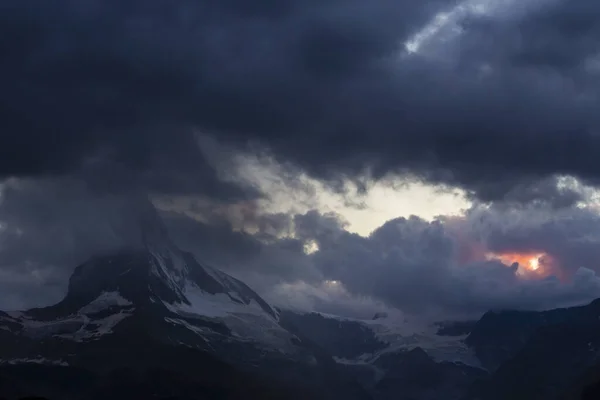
434,157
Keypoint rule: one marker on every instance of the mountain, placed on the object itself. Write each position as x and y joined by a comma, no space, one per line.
394,358
537,355
149,321
153,309
549,355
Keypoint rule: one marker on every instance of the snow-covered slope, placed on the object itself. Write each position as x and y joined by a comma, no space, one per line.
393,356
405,336
154,290
387,334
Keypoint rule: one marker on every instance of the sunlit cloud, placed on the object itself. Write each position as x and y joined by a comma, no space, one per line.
363,211
531,264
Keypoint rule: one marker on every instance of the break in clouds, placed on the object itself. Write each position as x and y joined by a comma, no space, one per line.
103,102
449,267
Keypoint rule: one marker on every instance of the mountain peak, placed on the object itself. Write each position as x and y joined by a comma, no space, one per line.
156,285
158,271
153,232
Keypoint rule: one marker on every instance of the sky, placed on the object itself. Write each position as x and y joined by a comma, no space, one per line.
435,158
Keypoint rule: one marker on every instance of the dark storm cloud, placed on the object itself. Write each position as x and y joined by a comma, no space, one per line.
112,93
415,266
80,75
322,84
50,226
559,34
410,264
571,236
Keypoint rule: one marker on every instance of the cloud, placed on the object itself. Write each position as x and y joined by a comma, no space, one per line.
425,268
322,85
48,227
571,236
428,269
103,100
551,34
420,267
262,259
329,297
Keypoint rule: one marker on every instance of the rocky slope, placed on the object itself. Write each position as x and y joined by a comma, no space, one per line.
536,355
154,307
151,321
394,359
505,355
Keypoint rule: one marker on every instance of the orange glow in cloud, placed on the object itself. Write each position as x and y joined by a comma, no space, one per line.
472,248
530,264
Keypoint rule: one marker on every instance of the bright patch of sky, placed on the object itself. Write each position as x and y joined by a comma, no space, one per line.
364,212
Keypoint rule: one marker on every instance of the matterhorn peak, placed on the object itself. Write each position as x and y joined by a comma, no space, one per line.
155,271
154,234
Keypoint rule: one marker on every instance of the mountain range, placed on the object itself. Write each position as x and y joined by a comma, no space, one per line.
150,322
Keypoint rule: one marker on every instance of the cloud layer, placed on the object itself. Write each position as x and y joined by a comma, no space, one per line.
326,85
437,268
105,101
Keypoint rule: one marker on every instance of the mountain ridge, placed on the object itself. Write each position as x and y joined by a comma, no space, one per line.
138,306
153,307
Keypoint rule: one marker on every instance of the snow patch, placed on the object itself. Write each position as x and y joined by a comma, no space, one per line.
95,329
41,329
217,276
406,337
402,335
212,305
200,331
247,322
104,326
235,296
77,328
174,277
40,361
105,301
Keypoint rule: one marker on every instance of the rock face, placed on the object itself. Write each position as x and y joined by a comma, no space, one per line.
536,355
393,361
154,308
157,286
549,355
417,376
341,338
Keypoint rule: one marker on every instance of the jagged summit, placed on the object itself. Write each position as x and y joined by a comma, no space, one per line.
153,285
157,272
151,305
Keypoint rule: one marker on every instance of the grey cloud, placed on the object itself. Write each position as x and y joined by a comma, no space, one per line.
330,298
104,73
111,93
408,264
262,259
415,266
571,236
323,85
546,191
50,226
554,34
